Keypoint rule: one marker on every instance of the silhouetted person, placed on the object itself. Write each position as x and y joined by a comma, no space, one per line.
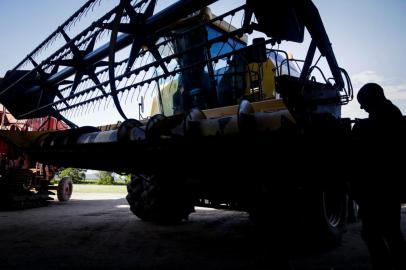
377,188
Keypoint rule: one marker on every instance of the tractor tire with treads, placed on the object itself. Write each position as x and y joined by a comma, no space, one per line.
311,216
159,200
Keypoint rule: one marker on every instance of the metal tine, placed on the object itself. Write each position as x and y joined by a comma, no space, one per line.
102,78
92,96
79,87
69,113
72,100
121,69
120,96
91,106
91,93
66,114
87,106
106,103
144,59
109,99
89,82
117,73
156,87
97,93
82,107
63,114
79,111
94,106
87,10
143,82
102,104
135,77
139,92
126,81
77,100
132,97
106,75
82,85
80,98
147,90
126,97
86,94
90,85
73,112
99,101
62,106
122,83
138,61
95,102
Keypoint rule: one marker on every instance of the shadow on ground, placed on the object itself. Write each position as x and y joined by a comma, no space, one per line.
103,234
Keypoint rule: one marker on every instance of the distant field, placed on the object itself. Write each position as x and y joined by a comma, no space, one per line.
79,188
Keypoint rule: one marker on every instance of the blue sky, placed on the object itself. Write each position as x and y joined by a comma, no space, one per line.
368,36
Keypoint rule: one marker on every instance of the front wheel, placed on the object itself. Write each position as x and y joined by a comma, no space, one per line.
65,189
159,199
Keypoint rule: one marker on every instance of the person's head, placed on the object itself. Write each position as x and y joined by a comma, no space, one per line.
370,95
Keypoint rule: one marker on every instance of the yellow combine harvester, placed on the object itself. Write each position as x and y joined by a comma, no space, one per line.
233,121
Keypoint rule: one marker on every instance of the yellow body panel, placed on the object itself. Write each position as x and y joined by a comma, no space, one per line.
269,105
261,78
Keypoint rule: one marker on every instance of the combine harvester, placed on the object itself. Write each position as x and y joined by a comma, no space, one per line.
234,121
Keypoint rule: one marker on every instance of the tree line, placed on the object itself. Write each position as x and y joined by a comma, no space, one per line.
78,176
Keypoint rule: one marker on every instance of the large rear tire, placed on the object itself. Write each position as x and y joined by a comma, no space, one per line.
158,199
327,215
307,216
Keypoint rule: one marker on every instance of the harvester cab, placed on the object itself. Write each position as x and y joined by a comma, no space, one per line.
218,69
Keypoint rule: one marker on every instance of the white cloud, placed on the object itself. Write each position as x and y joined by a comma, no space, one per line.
396,91
366,76
392,90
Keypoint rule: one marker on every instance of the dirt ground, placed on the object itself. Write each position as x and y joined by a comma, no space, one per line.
97,231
